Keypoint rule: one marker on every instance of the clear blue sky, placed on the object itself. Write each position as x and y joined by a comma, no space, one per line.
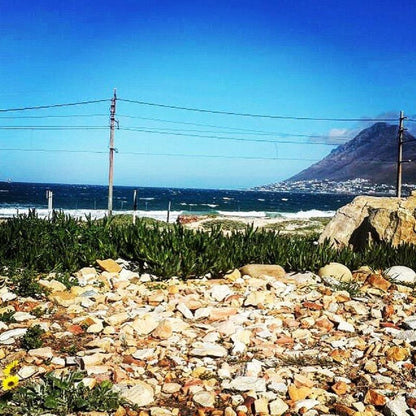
316,58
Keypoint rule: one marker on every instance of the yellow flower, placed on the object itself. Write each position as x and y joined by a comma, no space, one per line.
10,367
10,383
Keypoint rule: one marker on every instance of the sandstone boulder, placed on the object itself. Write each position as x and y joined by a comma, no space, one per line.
336,270
261,270
372,219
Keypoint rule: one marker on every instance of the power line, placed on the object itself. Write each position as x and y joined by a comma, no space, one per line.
17,149
134,129
231,113
53,116
40,107
180,155
237,129
53,128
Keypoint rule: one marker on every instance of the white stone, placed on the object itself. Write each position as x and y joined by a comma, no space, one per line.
243,383
9,337
204,398
44,353
278,407
23,316
220,292
27,371
142,394
207,349
401,274
185,311
307,404
8,296
144,354
171,388
346,327
396,407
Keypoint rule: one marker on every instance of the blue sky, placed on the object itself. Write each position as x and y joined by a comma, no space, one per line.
298,58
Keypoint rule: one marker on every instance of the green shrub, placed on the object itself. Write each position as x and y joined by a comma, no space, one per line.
25,284
61,396
32,338
66,244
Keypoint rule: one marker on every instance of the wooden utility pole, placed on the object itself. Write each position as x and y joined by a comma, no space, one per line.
111,156
400,156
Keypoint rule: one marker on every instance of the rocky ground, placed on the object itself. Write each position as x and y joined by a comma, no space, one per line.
258,342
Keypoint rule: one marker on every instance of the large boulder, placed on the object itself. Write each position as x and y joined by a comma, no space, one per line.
368,218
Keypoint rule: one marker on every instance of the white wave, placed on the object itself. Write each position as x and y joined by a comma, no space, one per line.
256,214
308,214
94,213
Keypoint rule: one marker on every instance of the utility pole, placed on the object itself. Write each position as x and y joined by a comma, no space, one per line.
400,156
111,156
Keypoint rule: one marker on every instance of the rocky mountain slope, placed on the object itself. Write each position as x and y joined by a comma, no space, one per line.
370,155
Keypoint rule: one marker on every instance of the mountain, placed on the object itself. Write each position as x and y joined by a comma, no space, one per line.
371,155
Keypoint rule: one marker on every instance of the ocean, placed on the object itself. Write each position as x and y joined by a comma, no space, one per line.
81,200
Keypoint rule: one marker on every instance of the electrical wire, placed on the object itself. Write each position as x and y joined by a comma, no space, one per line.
237,129
232,113
53,116
140,130
53,128
41,107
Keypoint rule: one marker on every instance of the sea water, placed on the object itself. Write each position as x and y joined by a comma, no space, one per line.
81,200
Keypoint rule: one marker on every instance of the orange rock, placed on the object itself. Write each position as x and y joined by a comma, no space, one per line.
388,311
397,354
374,398
109,265
76,329
298,393
342,410
340,388
312,305
378,281
325,324
173,290
221,314
284,340
340,355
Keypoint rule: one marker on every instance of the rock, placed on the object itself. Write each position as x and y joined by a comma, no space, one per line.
261,270
233,276
369,218
278,407
170,388
206,349
141,394
109,265
65,298
95,328
9,337
396,407
242,383
374,398
410,322
337,271
377,281
345,327
298,393
306,404
145,325
117,319
27,371
45,353
23,316
397,354
220,292
185,311
401,274
261,406
163,331
204,398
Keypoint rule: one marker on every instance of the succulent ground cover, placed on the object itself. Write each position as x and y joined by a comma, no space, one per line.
65,244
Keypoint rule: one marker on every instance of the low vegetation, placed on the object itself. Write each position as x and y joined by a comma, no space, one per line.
60,396
64,244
